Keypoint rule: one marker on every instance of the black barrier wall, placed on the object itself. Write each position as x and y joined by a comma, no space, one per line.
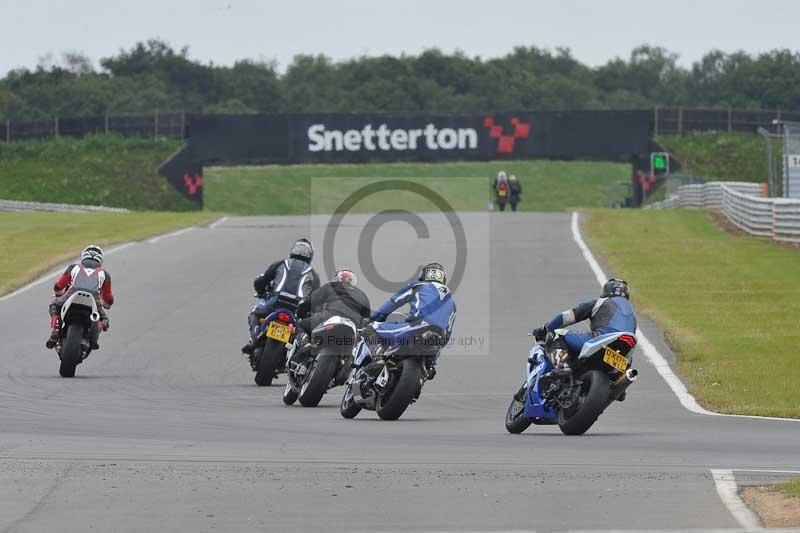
336,138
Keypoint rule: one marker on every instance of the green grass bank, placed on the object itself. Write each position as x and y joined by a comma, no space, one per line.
34,243
104,170
728,304
302,189
721,155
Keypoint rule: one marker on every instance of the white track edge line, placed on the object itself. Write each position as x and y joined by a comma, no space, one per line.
652,354
218,222
175,233
728,492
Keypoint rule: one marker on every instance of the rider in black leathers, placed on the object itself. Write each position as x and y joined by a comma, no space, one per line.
340,297
293,275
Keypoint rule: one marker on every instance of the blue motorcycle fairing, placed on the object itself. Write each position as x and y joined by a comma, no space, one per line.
538,365
392,335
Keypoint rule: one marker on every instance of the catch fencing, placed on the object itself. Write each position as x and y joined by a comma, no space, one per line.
683,120
744,205
152,125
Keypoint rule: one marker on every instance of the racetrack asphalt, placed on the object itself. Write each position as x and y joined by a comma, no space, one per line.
164,430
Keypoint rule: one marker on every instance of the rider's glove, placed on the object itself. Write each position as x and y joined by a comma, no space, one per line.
377,317
59,292
540,333
303,309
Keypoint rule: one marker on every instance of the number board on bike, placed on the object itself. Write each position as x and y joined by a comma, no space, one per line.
279,332
615,359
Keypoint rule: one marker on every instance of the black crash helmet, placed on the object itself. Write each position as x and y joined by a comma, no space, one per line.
616,287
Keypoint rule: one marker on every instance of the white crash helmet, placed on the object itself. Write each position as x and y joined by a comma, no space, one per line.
92,253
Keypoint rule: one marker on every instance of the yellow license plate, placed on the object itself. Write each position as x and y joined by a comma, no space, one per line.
502,193
279,332
615,359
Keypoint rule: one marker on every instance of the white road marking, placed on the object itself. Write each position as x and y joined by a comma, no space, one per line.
729,494
168,235
650,351
218,222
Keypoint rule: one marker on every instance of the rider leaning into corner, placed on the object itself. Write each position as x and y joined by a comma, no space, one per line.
293,275
611,313
430,300
88,275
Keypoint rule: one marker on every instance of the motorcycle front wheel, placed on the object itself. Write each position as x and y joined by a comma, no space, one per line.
516,421
349,408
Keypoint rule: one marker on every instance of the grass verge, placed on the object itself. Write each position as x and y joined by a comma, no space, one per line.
302,189
34,243
98,170
727,304
790,488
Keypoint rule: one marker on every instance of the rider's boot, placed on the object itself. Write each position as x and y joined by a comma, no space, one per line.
249,348
54,332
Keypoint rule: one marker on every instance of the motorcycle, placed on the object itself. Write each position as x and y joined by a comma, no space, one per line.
391,369
314,368
79,323
572,397
275,334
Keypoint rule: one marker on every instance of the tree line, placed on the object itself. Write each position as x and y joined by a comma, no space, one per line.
153,76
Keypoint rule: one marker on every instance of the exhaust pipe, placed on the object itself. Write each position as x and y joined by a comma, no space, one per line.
625,381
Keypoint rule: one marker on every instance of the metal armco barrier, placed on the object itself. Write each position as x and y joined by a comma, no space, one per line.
709,195
750,213
786,220
744,205
16,205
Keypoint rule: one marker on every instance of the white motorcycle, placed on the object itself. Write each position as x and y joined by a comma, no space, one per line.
79,323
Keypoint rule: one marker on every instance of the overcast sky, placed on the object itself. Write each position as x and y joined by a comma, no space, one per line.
225,30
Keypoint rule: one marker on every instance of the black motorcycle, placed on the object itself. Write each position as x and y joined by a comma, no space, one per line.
317,364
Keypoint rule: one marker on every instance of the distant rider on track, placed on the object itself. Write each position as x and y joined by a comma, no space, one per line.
293,275
88,275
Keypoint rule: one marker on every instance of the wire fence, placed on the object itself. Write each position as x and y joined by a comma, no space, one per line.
154,125
665,121
683,120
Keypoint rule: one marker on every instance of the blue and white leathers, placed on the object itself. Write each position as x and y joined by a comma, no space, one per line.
427,300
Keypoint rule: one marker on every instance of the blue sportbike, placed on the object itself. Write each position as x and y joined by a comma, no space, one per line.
576,394
272,335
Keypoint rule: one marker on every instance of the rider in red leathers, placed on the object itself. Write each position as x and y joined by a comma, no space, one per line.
87,275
